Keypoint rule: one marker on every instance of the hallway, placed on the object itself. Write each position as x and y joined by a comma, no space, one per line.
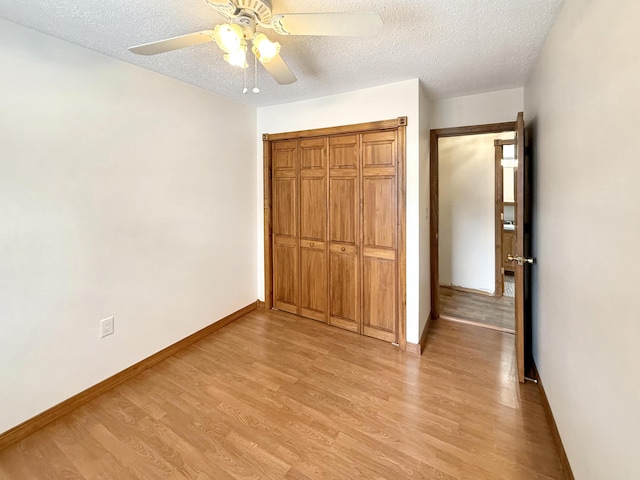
496,312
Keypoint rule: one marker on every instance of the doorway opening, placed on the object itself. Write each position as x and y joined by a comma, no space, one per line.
471,277
505,215
522,228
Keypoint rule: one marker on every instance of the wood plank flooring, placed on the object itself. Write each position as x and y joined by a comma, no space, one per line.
274,396
486,309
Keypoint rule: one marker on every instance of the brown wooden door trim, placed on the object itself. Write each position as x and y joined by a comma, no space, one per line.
520,232
474,129
434,226
340,130
499,207
268,253
399,124
434,198
401,339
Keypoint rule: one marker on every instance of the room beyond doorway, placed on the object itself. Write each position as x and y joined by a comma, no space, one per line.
470,281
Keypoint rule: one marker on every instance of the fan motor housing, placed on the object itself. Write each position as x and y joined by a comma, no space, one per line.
261,8
248,24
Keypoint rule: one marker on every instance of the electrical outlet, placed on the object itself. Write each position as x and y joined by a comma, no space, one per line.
106,327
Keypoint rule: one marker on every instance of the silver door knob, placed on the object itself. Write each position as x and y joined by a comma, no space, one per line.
520,260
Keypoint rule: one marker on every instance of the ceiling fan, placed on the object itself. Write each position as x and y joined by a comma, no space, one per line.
245,15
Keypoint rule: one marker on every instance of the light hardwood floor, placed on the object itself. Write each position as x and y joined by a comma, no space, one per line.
486,309
275,396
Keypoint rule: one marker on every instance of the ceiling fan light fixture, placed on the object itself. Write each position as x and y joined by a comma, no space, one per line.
229,37
243,16
265,49
239,57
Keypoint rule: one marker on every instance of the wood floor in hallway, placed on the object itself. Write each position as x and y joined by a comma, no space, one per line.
274,396
485,309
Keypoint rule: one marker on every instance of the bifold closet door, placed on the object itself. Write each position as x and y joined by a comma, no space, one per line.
313,228
285,225
334,230
379,235
344,232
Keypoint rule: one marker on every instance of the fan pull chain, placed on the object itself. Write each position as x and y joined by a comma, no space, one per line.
245,89
255,69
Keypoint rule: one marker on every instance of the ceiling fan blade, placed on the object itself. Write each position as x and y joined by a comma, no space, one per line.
174,43
280,71
333,24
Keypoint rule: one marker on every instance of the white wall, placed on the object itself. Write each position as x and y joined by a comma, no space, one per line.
371,104
424,218
581,106
122,192
466,215
493,107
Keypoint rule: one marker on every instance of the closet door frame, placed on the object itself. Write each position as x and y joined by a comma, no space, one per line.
400,126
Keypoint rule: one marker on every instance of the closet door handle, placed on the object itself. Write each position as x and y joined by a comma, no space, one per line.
342,249
311,245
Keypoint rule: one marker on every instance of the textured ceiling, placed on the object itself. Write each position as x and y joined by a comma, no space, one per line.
455,47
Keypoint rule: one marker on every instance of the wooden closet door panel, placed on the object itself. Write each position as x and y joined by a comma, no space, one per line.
313,228
313,253
313,188
285,274
379,149
313,208
344,293
313,280
379,298
379,211
344,232
343,209
313,154
344,152
379,235
283,156
284,206
344,190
